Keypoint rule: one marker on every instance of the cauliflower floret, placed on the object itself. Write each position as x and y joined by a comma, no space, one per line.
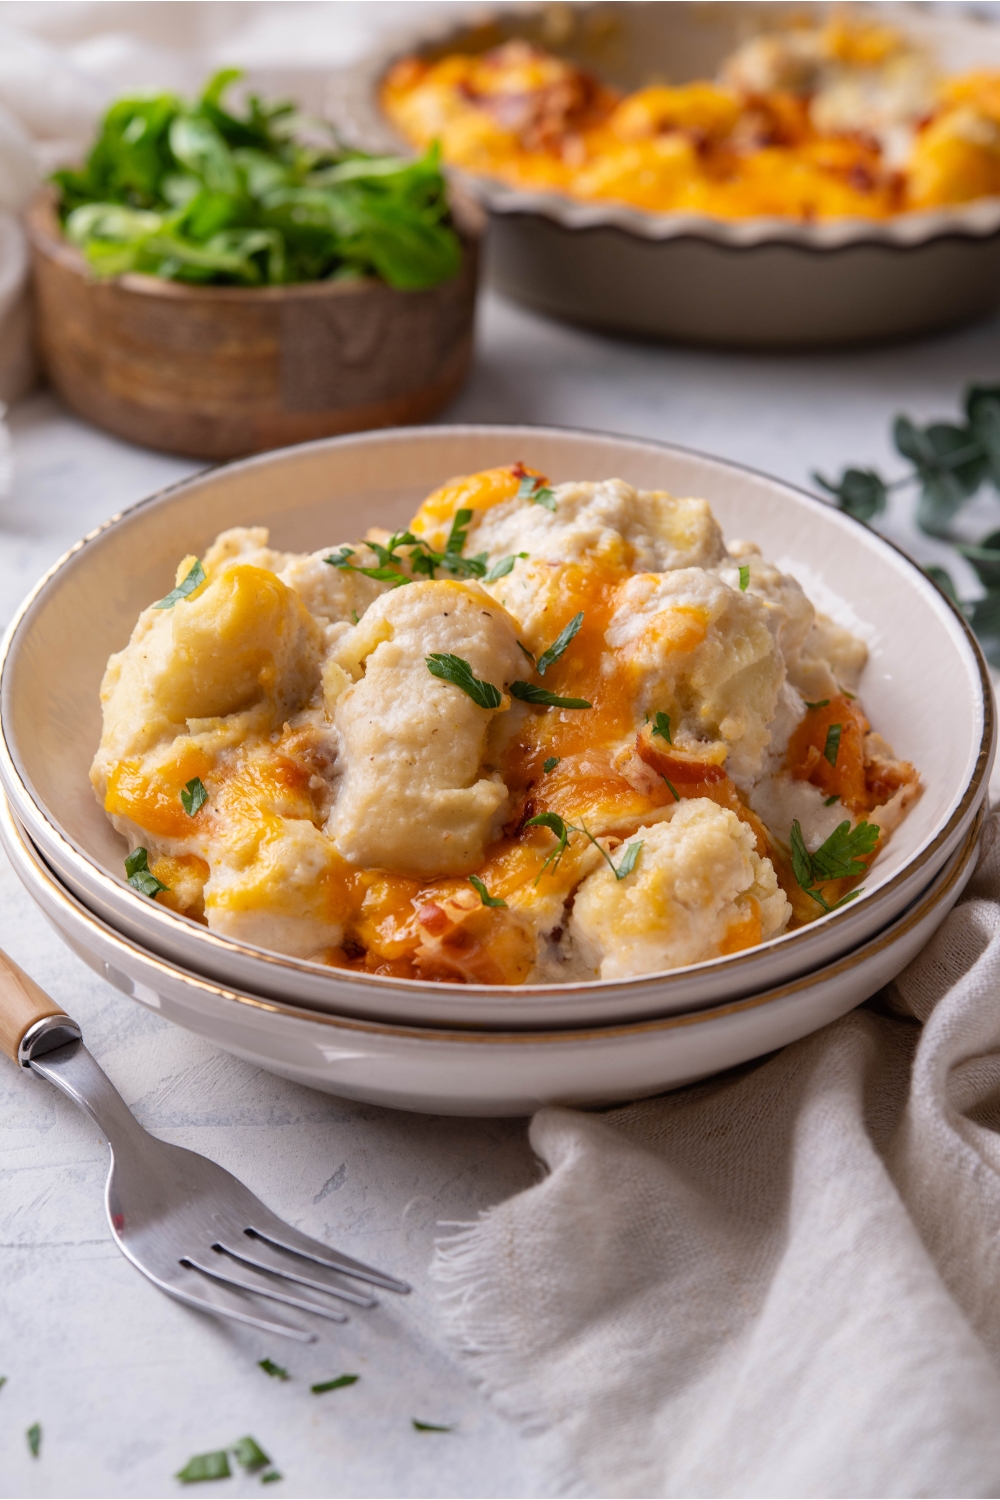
416,796
647,529
242,640
698,890
703,653
331,595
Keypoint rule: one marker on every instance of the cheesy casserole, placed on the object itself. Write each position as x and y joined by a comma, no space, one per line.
548,733
846,120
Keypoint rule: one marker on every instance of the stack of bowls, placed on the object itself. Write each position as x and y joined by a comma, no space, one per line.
468,1049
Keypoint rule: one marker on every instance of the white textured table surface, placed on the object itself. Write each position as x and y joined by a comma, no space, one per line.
125,1383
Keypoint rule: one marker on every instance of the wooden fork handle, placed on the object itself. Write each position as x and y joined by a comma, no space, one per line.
22,1004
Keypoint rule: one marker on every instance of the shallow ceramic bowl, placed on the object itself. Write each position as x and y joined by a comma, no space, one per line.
441,1071
766,282
925,686
218,371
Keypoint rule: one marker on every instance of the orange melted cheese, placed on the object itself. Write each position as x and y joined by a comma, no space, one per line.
538,122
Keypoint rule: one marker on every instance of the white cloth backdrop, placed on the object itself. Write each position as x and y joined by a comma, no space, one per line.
784,1281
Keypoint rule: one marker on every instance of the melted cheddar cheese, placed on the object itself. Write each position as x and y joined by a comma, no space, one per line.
845,120
574,694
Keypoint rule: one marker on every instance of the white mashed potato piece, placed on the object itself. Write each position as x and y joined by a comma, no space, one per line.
416,796
698,889
418,774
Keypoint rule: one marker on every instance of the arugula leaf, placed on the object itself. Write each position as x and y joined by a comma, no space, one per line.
194,796
661,726
277,1372
529,693
250,1455
205,1466
627,862
334,1385
456,670
34,1436
204,193
503,567
744,576
550,763
193,579
832,747
484,894
140,877
552,653
428,1427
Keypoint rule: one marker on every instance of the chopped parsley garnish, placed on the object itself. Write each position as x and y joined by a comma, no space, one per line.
562,831
823,703
459,532
270,1476
140,876
744,576
555,823
278,1372
484,894
456,670
194,796
503,567
661,727
527,652
840,857
34,1436
429,1426
250,1455
192,580
536,492
3,1381
673,789
333,1385
384,573
205,1466
832,745
552,653
551,763
831,800
354,617
529,693
627,862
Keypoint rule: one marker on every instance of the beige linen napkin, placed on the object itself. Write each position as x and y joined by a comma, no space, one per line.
783,1281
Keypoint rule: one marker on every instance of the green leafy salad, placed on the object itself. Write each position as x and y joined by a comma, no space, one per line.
202,193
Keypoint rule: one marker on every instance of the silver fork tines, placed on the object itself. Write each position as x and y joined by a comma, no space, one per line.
189,1225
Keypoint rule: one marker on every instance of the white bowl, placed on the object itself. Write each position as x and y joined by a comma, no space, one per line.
439,1071
926,687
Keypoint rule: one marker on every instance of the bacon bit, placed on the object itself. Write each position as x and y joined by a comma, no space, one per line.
681,766
807,762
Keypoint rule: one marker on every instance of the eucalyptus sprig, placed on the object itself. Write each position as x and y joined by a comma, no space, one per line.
950,463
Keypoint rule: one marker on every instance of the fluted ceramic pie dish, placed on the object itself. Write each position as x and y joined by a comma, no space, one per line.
755,281
437,1070
925,686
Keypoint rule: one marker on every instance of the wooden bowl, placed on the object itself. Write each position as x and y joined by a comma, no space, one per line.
218,372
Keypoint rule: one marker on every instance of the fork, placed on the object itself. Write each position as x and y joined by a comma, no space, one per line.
183,1221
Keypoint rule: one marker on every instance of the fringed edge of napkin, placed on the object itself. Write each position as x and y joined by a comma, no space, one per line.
464,1270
